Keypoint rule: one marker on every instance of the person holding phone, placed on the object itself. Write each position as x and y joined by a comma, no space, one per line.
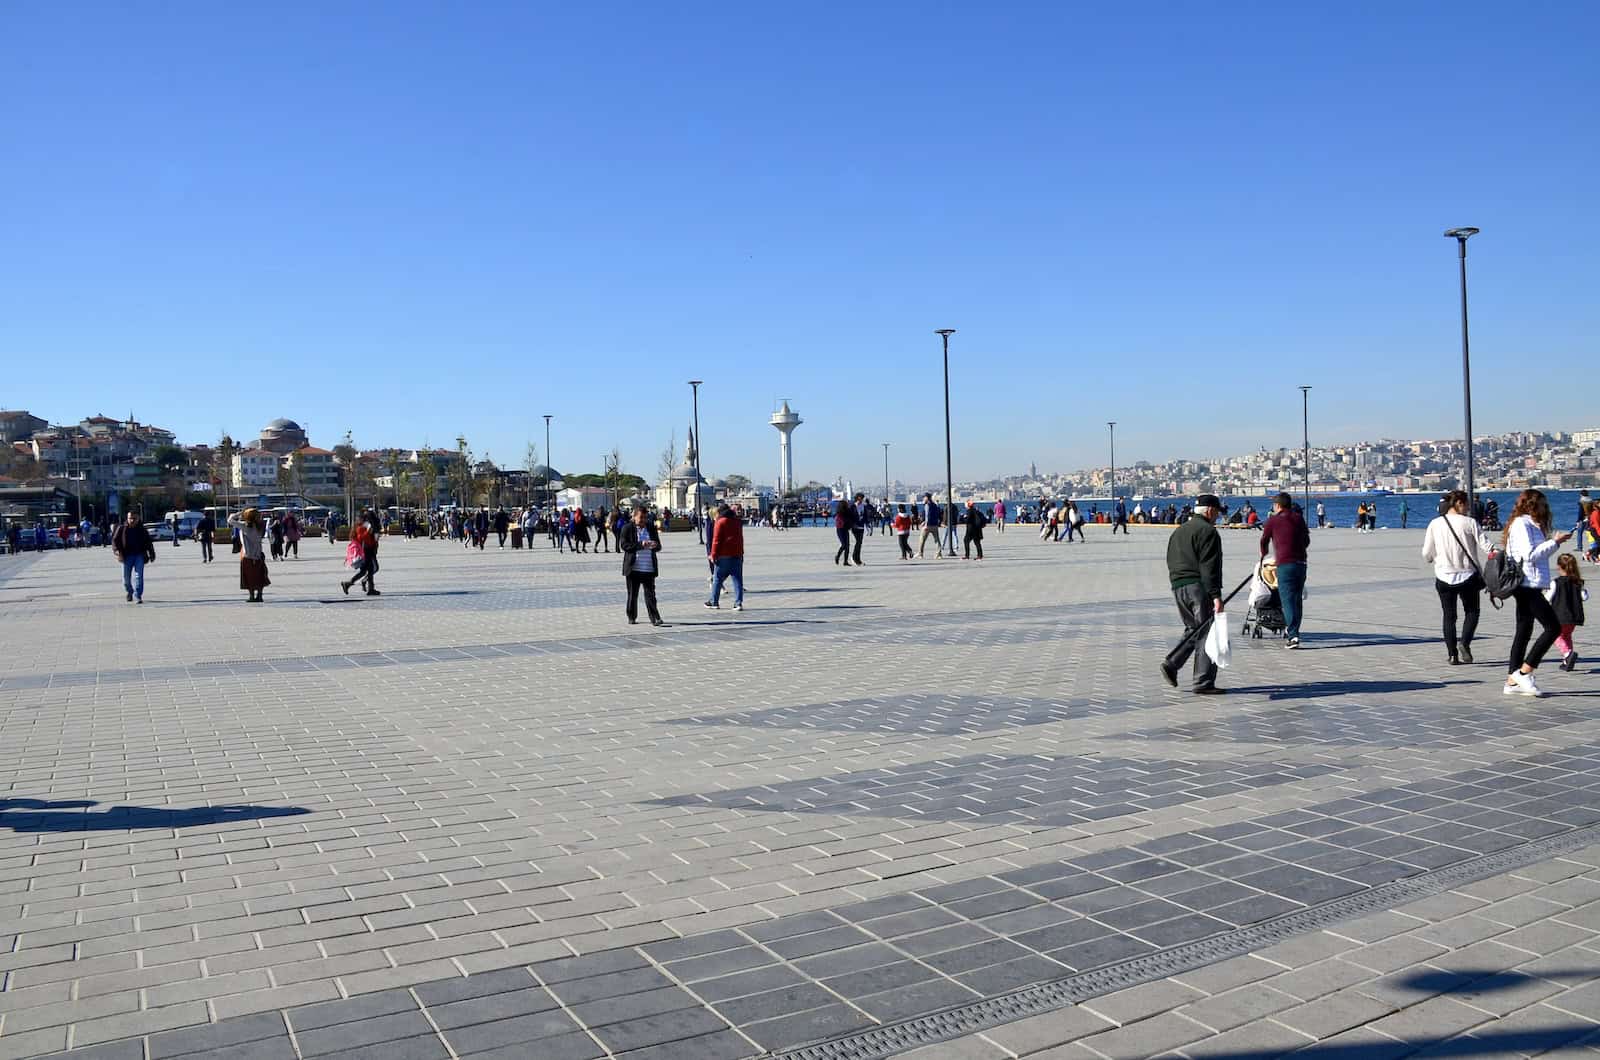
640,543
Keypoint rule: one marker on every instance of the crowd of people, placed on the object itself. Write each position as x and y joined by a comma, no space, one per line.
1469,561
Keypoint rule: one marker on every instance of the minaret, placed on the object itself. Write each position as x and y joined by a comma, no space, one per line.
785,420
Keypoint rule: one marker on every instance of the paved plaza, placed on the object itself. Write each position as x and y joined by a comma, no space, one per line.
941,809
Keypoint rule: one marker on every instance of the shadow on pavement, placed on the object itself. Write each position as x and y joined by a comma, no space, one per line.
14,815
1322,689
1489,1043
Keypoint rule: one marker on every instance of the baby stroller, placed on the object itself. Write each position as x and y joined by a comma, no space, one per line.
1265,612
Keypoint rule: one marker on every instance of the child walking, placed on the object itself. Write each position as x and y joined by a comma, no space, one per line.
1567,595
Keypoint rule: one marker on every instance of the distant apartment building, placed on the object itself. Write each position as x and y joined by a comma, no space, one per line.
17,425
255,468
313,471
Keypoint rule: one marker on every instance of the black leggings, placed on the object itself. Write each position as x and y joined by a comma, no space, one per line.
844,546
1532,607
967,544
905,546
1467,593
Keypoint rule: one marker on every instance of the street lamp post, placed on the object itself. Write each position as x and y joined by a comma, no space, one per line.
1112,426
1305,426
1461,235
949,477
547,417
699,462
886,476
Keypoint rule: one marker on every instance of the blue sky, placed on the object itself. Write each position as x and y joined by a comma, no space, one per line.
413,220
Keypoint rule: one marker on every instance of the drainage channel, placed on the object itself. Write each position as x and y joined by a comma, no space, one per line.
1073,989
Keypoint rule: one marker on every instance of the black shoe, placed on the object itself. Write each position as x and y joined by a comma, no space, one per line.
657,622
633,621
1293,642
1213,690
346,587
1454,661
712,607
130,598
1466,654
373,592
1170,674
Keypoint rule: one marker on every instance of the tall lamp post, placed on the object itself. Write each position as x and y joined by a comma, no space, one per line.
1111,425
699,462
1305,426
886,475
949,478
547,418
1461,235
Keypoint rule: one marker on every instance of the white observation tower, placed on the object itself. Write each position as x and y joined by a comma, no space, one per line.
785,420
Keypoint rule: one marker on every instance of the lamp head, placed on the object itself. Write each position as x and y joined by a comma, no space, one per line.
696,382
1462,234
946,332
1304,388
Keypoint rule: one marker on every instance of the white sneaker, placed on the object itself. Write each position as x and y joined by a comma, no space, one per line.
1524,684
738,607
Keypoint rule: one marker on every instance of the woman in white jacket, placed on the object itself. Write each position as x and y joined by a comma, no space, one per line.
1527,541
1456,547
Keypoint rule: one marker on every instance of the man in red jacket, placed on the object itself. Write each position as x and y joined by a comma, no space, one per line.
727,557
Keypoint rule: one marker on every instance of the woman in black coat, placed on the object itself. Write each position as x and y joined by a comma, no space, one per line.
640,545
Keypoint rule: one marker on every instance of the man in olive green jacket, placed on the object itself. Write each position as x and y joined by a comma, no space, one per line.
1194,566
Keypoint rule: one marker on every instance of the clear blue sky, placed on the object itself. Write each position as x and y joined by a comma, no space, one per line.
413,220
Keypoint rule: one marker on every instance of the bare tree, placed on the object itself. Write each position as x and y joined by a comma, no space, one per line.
428,475
530,460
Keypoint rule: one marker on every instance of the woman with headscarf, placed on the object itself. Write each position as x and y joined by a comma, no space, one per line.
253,578
362,555
580,531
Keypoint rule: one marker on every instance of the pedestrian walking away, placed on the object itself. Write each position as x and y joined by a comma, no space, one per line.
1000,516
1457,547
640,545
1194,569
973,535
1322,515
1405,510
601,529
292,533
932,520
204,531
1119,517
251,529
1289,538
727,557
859,529
844,520
1566,597
132,546
502,525
902,533
1526,540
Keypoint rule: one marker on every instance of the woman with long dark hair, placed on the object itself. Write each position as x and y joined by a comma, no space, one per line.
1456,547
1527,540
250,527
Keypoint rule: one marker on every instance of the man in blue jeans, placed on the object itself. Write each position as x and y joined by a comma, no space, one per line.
132,545
1288,536
727,557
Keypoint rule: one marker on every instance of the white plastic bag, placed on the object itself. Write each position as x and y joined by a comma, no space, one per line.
1217,646
1260,591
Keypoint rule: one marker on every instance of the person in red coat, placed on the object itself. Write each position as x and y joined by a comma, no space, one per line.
727,557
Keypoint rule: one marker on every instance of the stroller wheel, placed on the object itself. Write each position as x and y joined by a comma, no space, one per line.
1258,633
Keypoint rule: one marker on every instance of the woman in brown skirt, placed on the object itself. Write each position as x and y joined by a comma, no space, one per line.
252,563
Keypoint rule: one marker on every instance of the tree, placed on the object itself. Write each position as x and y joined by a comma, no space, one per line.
284,478
402,487
171,459
736,483
461,472
223,479
427,475
345,454
530,460
393,462
669,456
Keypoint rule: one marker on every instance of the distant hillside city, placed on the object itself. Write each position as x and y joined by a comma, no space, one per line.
101,457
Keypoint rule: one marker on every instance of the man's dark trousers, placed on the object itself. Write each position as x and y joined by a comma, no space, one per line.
858,531
1196,611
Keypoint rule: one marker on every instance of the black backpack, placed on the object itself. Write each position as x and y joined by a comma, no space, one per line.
1502,575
